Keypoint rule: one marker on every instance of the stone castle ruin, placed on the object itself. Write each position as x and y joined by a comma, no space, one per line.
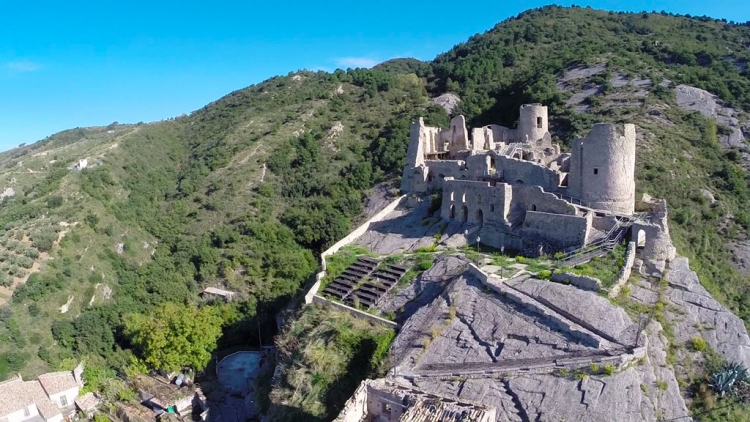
521,192
489,338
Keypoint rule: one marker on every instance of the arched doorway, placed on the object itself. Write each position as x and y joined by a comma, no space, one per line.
480,217
465,213
533,207
640,239
453,212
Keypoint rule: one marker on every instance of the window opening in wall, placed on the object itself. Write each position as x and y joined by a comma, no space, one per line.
533,207
452,196
596,171
465,212
480,217
63,401
26,411
453,212
387,410
479,199
492,207
539,122
463,198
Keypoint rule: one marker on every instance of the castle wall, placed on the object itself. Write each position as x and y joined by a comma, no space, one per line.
515,171
602,168
491,136
658,245
560,231
533,198
482,139
502,134
475,202
459,137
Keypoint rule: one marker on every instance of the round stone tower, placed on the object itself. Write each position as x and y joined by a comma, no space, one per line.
602,168
533,122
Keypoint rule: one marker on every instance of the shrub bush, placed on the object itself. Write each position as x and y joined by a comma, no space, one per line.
698,344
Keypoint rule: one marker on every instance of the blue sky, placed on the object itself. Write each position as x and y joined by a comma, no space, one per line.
86,63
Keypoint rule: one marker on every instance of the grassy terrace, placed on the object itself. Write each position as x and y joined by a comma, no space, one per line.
605,268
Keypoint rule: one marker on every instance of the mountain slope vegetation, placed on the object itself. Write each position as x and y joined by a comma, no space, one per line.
244,192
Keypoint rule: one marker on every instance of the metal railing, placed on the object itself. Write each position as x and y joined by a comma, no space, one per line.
613,237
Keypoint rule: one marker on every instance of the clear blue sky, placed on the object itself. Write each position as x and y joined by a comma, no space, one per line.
86,63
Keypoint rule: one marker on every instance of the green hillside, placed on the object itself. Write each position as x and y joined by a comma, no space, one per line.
244,192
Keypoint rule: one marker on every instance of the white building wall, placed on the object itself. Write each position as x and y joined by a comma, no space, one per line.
19,415
70,396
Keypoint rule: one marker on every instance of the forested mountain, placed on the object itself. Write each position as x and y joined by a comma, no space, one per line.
244,192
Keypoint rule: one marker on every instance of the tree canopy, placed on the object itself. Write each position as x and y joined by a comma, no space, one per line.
173,336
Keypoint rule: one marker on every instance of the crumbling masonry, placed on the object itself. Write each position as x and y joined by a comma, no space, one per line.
520,191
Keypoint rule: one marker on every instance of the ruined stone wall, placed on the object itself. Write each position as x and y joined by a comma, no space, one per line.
532,122
482,139
492,137
533,198
625,271
478,165
355,408
459,137
581,281
515,171
502,134
378,399
604,223
475,202
560,231
658,245
602,168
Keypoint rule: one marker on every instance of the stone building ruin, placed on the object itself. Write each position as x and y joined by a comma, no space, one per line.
518,189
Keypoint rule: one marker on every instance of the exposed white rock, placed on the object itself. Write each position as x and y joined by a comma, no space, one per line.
8,192
704,316
335,131
710,196
709,105
66,306
448,101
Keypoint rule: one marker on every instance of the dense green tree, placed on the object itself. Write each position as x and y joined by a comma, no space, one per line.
173,336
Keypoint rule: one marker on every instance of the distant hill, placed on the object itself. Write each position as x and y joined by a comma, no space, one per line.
243,192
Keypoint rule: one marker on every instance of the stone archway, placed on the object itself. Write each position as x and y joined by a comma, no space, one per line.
480,216
465,213
640,239
452,212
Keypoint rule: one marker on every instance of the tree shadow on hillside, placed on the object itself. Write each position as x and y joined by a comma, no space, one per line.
356,371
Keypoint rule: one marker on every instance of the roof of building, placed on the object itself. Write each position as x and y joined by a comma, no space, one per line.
57,382
219,292
15,394
87,402
440,411
161,392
